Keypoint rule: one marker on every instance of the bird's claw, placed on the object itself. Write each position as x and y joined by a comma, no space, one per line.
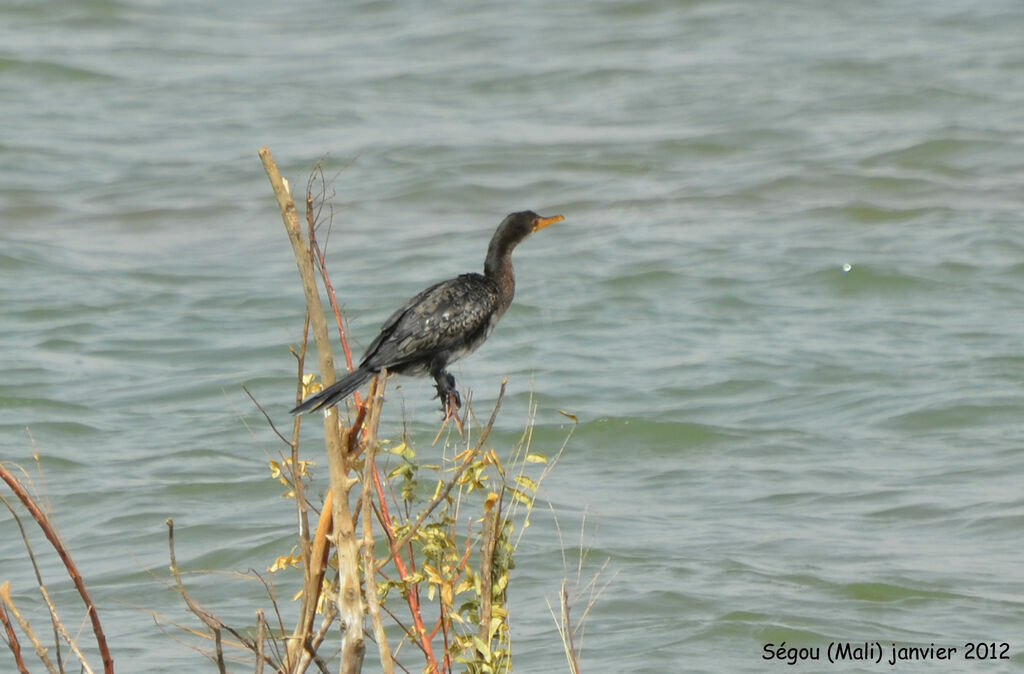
454,400
452,404
451,401
447,393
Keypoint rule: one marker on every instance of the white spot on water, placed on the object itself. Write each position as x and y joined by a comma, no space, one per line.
847,267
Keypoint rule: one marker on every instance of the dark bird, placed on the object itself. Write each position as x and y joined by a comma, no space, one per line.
443,323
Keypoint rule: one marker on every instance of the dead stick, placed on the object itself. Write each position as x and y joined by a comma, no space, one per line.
44,523
219,649
261,635
490,540
574,663
308,654
5,598
35,567
12,640
322,262
300,488
209,619
369,568
350,605
63,630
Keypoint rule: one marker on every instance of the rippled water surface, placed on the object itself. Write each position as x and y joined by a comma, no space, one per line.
770,448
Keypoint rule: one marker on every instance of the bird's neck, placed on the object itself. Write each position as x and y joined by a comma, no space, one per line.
498,268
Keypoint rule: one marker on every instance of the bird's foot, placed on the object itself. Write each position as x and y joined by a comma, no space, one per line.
451,407
445,385
447,393
453,404
451,401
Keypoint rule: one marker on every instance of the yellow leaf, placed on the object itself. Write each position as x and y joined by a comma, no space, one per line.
309,387
492,458
432,574
496,624
275,469
570,415
521,497
489,502
460,457
526,483
536,458
291,559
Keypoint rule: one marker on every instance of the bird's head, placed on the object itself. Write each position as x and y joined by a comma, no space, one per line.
513,229
520,225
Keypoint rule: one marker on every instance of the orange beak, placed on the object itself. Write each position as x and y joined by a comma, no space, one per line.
541,223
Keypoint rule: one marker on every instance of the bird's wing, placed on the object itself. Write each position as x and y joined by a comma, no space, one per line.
441,318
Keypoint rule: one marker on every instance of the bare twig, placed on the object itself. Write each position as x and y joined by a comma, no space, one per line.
219,650
55,618
5,598
321,262
369,567
301,249
261,635
51,535
215,624
12,640
310,649
35,565
571,653
297,484
265,415
350,605
492,528
563,622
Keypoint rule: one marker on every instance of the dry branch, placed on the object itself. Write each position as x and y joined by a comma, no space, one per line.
51,535
492,528
369,567
12,640
350,605
41,652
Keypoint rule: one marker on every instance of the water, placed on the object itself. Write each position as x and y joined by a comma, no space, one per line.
770,449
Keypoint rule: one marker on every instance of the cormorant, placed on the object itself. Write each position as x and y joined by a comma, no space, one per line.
443,323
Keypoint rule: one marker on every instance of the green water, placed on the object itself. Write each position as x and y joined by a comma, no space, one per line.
771,448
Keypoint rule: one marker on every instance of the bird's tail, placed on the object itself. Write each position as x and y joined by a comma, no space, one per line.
335,393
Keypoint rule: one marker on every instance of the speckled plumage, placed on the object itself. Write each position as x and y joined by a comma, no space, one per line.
443,323
446,321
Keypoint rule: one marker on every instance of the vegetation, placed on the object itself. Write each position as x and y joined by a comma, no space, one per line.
409,562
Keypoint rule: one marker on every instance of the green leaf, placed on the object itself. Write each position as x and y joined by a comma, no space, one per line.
484,649
403,469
